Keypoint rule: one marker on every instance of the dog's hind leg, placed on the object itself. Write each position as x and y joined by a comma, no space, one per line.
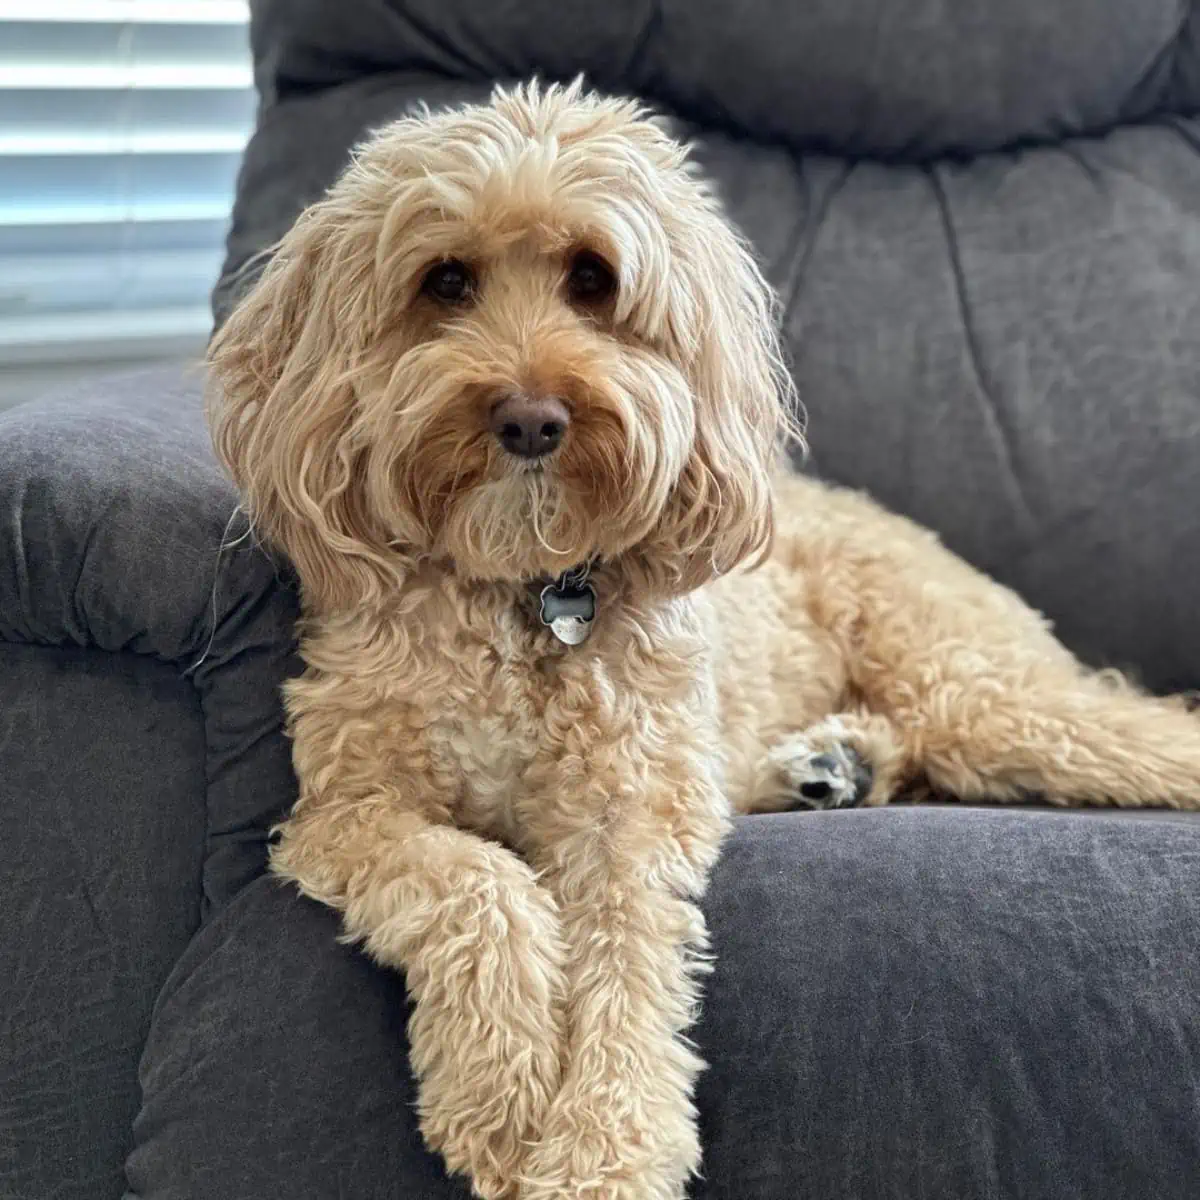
986,704
1082,740
952,683
1078,739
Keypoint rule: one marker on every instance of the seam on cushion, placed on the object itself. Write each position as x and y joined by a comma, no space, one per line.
1113,168
434,37
1181,42
202,904
1167,53
1002,436
226,552
957,154
794,257
635,59
1072,150
802,248
1179,126
84,563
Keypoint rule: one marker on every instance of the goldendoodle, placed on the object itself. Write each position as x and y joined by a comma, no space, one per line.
511,399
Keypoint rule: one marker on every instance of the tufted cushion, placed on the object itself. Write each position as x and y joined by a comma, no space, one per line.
921,78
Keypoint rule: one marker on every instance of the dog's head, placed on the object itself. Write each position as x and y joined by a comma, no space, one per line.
517,337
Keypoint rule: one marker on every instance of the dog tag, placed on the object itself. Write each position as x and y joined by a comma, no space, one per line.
571,631
569,608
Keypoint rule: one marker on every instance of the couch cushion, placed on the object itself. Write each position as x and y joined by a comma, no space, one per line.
947,1003
102,799
141,758
1007,351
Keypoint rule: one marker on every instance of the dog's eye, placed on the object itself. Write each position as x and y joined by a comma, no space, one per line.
451,282
591,279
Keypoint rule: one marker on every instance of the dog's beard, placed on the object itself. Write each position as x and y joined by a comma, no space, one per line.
439,478
519,526
595,499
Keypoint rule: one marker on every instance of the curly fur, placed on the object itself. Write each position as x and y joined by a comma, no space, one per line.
522,827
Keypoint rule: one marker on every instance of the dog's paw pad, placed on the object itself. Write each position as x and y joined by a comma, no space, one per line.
821,777
835,778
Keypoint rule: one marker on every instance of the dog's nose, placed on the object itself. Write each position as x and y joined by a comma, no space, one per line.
530,426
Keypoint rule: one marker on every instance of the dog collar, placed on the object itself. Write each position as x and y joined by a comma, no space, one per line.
568,605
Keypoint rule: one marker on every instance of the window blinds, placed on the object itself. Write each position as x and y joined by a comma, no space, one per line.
121,127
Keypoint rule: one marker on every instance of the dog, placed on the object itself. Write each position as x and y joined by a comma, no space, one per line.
511,399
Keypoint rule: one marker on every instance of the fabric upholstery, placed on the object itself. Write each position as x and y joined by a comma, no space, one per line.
115,514
983,219
923,78
102,798
141,759
938,1003
984,222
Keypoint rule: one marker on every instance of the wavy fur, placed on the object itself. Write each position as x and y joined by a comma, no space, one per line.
524,828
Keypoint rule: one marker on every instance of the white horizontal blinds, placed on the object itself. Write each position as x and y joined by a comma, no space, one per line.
121,127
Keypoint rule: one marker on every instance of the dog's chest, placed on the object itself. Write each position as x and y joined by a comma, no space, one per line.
488,750
488,727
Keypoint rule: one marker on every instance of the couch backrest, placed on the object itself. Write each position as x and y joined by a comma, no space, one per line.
858,77
983,217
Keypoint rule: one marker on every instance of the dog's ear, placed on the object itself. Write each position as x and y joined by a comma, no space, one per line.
282,410
722,322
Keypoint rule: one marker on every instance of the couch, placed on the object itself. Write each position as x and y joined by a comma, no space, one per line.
983,219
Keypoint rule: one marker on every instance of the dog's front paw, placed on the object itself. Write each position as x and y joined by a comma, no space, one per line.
484,1098
835,778
581,1156
818,772
490,1158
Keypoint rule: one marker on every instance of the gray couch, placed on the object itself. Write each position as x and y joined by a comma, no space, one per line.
984,219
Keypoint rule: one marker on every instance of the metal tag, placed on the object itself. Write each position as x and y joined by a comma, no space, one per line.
569,608
571,631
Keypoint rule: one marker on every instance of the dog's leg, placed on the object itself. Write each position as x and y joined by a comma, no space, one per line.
480,944
623,1126
959,687
1081,740
985,703
625,834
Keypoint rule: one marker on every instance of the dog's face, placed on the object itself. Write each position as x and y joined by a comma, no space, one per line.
514,337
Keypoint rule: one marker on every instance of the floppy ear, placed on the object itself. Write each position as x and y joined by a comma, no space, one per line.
283,407
722,322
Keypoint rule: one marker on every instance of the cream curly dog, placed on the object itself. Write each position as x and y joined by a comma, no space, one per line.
510,397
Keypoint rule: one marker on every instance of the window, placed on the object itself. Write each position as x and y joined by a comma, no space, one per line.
121,127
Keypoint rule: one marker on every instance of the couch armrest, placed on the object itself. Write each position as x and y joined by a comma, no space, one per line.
113,512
